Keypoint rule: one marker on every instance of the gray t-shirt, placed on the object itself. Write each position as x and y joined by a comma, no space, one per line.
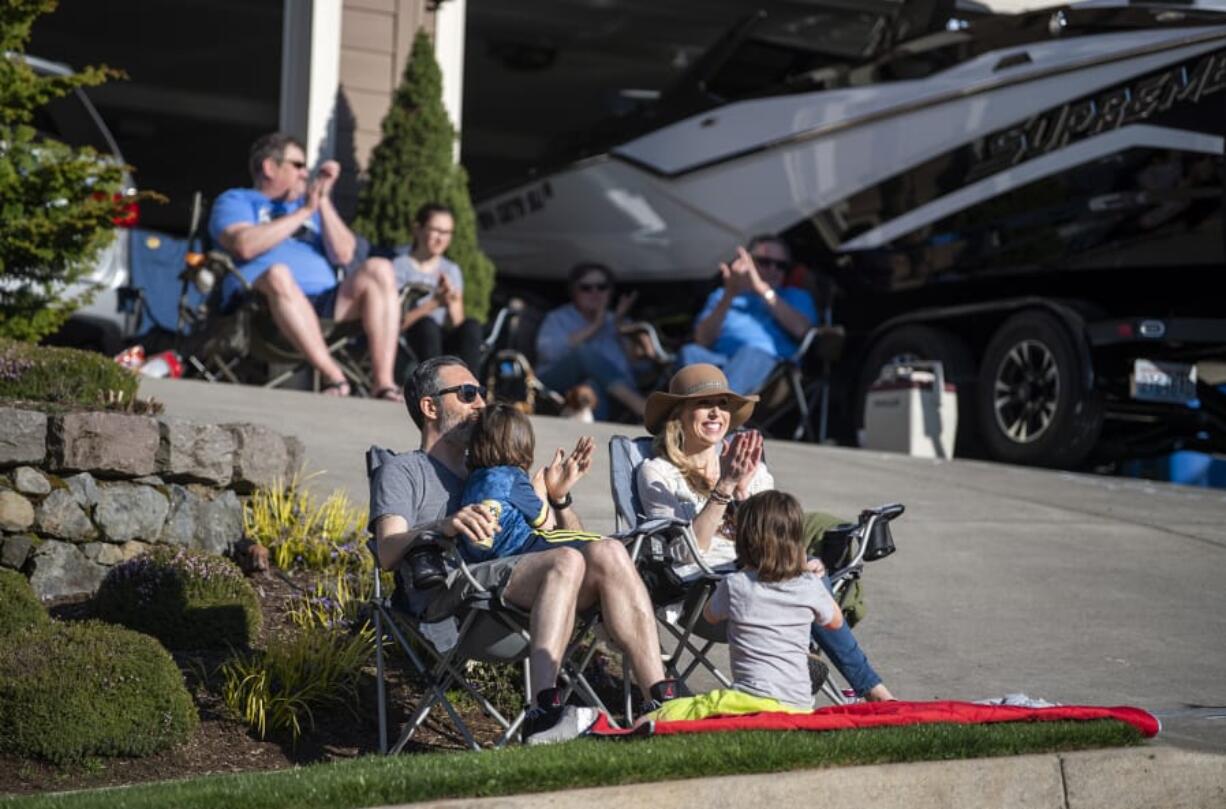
768,632
414,486
408,272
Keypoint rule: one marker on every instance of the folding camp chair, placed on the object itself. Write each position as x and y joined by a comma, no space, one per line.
241,343
481,626
799,385
682,590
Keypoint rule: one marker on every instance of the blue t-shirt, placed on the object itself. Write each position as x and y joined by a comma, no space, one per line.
303,252
749,322
507,492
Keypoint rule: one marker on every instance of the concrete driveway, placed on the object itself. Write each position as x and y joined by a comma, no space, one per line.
1073,588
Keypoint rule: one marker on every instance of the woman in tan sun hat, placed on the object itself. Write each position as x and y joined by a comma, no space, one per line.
698,476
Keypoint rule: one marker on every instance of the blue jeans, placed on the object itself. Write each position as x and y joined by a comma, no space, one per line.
845,653
585,364
746,370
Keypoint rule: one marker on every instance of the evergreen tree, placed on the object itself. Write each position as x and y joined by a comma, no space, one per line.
56,202
413,165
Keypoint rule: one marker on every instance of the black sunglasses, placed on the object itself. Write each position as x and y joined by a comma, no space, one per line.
599,286
779,264
466,393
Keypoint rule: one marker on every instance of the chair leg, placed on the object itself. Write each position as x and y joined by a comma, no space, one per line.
380,686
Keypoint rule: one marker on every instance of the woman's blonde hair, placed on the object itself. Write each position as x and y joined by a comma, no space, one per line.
668,444
770,529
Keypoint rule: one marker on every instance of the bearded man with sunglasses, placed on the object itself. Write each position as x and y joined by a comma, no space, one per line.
286,237
418,493
753,320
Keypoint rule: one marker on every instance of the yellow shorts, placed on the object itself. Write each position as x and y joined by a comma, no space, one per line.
720,702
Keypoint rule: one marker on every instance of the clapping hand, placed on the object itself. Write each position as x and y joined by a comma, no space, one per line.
444,293
624,304
741,275
564,471
739,461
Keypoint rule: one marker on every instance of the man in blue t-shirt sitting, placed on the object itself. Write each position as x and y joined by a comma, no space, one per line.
286,236
752,320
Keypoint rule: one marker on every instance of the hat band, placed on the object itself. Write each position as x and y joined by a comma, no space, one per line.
713,384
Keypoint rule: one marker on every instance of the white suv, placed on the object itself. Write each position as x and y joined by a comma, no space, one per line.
102,324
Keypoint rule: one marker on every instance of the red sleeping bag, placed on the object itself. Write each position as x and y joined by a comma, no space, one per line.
890,714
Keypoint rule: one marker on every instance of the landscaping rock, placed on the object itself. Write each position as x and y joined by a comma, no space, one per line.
59,515
23,436
16,512
15,550
30,481
104,553
296,450
219,523
130,511
106,444
60,569
84,489
260,458
202,453
149,480
180,526
132,549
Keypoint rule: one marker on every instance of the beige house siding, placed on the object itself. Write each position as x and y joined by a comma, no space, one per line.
376,36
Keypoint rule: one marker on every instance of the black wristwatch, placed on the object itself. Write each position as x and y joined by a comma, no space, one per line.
563,504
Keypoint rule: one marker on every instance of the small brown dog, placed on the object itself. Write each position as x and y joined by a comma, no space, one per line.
581,401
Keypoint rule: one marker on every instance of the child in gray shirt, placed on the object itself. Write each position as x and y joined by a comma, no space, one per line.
770,605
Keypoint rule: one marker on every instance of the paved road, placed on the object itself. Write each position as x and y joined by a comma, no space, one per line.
1073,588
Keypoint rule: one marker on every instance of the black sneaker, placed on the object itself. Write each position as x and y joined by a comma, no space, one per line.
557,724
426,568
818,672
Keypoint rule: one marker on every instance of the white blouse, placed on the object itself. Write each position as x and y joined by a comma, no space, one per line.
663,492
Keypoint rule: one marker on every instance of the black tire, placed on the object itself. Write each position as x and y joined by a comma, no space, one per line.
929,343
1033,405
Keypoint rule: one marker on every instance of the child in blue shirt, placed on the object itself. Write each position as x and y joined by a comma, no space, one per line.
500,451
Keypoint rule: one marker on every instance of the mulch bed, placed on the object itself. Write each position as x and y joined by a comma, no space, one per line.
223,745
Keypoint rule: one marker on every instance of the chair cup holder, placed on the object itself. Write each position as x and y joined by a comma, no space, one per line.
836,544
880,542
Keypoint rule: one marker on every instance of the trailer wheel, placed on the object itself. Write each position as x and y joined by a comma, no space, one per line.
1033,406
928,343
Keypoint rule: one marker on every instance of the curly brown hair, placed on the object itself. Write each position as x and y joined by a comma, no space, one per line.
770,528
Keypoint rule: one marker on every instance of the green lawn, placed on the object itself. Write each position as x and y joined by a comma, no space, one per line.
374,780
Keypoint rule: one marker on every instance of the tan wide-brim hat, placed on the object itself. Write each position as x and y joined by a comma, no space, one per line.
700,381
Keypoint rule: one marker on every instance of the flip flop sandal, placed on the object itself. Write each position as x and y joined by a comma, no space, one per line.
388,394
341,386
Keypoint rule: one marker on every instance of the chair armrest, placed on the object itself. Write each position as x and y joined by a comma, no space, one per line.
663,355
826,341
413,294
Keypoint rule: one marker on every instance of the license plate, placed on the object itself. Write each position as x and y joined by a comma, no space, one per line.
1171,382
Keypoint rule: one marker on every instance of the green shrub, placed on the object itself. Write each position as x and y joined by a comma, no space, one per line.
19,607
68,691
277,689
57,203
184,598
62,375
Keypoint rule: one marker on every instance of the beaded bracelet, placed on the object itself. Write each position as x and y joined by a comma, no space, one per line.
721,499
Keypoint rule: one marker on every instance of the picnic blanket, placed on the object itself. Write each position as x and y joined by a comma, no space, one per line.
888,714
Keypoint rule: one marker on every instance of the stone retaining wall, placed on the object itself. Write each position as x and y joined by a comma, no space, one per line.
81,492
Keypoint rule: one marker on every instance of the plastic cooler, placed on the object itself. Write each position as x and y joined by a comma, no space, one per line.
911,409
